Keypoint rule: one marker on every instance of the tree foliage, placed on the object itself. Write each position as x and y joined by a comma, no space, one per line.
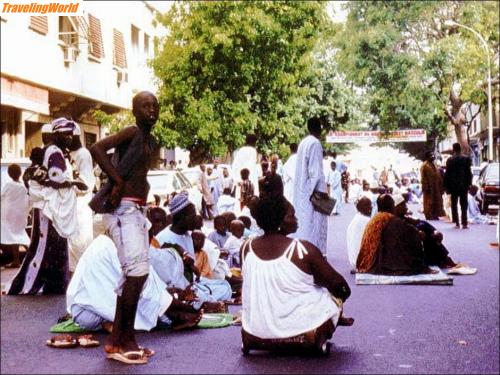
227,69
115,122
417,72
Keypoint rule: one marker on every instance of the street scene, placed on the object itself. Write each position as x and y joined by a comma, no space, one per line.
250,187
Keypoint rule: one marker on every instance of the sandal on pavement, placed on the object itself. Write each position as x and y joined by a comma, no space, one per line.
130,358
147,352
62,342
87,341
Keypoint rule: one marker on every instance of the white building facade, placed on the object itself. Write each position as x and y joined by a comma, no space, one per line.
54,66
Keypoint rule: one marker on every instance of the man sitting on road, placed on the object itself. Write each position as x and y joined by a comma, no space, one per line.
356,229
176,254
390,246
91,299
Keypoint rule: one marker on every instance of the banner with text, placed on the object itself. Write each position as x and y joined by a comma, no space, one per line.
411,135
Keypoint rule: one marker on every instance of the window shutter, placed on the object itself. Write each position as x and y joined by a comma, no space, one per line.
96,47
119,55
39,24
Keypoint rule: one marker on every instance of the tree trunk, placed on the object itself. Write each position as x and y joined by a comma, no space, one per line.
459,121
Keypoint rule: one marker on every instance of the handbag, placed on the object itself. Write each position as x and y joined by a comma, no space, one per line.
323,205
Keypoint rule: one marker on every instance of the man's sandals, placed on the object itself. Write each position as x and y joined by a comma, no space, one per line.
133,357
68,341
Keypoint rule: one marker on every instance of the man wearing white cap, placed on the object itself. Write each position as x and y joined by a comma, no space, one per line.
177,254
83,170
45,266
47,136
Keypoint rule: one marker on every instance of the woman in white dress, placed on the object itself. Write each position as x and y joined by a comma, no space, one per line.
291,295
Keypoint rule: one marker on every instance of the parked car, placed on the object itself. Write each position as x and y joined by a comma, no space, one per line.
489,186
165,182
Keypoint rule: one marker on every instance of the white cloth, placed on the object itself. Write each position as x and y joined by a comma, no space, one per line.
96,277
326,163
84,235
254,227
213,253
59,205
308,178
227,182
354,235
280,300
14,214
246,157
184,240
289,177
334,179
355,192
227,203
233,245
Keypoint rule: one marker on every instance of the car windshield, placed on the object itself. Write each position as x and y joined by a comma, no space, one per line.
492,172
184,182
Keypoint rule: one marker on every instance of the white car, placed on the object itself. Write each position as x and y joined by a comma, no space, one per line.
165,182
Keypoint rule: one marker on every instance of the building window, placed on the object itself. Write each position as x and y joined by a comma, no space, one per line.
68,32
134,41
119,55
96,47
146,44
39,24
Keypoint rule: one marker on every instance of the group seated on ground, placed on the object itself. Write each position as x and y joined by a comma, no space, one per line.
396,244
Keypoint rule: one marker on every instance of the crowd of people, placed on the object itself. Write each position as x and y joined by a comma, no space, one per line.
161,265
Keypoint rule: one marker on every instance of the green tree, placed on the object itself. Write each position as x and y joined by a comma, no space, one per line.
417,72
227,69
114,122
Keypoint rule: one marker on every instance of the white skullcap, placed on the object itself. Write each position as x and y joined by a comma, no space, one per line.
47,128
77,130
398,199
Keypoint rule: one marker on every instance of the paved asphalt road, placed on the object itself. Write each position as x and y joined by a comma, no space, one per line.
398,329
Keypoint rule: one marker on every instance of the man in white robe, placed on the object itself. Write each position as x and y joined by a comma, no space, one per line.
309,177
246,157
91,297
14,212
82,164
289,173
333,182
356,229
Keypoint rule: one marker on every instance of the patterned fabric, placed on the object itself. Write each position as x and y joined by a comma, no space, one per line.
370,242
423,279
44,269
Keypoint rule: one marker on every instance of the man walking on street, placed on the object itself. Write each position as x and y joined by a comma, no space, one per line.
457,180
127,223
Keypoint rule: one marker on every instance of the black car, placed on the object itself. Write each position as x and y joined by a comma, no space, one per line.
489,186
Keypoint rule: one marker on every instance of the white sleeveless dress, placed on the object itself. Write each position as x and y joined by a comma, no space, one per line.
280,300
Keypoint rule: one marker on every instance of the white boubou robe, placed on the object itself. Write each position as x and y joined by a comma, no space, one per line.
308,178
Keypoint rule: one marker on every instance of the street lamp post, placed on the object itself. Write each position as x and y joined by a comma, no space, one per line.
490,107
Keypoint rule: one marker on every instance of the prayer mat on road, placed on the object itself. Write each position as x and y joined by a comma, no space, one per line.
68,326
424,279
215,320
